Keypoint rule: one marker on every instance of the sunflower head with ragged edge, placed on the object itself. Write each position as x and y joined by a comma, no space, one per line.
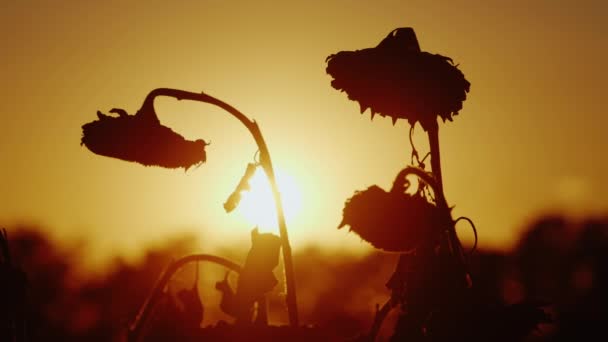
392,221
396,79
142,139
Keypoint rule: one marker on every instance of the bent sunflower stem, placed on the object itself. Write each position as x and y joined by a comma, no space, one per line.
266,162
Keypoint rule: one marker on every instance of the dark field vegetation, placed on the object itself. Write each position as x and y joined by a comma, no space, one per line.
560,263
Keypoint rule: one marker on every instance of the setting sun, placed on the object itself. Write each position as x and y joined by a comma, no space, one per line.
257,205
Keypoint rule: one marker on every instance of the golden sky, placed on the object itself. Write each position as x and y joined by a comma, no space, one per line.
530,139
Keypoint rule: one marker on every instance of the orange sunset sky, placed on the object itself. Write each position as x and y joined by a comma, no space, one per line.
529,140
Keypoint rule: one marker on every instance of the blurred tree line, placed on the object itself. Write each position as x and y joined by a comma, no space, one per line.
561,263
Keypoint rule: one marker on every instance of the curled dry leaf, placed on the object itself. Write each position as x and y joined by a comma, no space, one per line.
235,197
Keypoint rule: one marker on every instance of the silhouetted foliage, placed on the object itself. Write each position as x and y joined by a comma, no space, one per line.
339,292
255,281
565,264
482,323
194,310
142,139
432,284
396,79
65,306
13,289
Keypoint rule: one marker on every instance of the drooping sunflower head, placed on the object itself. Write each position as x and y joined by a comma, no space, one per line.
142,139
391,221
398,80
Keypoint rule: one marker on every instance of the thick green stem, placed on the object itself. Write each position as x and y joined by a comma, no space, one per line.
252,126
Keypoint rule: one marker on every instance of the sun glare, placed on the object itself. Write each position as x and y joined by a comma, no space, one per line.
257,205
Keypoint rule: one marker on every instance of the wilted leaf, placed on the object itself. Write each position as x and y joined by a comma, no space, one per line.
235,197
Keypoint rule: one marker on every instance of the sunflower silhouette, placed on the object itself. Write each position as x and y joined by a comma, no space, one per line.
141,138
398,80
